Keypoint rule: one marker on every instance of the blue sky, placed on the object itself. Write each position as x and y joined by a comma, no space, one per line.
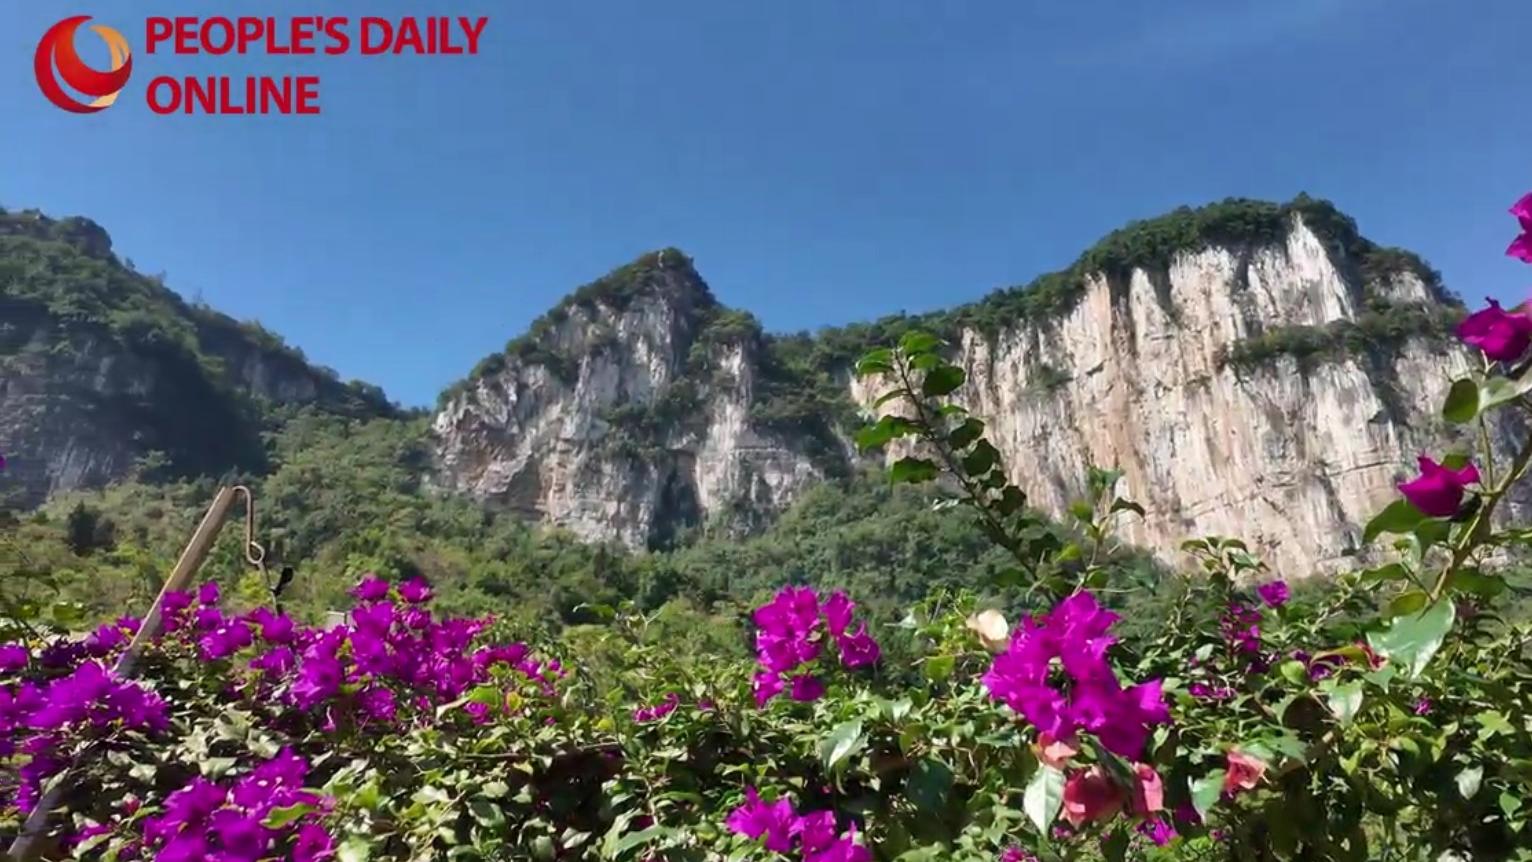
822,162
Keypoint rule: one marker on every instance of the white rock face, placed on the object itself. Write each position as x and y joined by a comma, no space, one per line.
1293,460
554,448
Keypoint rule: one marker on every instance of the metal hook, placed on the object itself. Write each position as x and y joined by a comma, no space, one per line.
255,552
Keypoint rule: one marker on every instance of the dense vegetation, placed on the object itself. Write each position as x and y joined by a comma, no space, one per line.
344,497
1377,333
171,376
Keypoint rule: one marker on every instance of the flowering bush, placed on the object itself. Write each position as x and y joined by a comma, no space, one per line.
1382,717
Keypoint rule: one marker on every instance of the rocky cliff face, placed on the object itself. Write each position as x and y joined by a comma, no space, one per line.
1272,386
1292,455
625,414
101,366
1255,369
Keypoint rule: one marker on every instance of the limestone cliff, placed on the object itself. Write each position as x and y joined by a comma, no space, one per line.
102,367
1256,370
625,414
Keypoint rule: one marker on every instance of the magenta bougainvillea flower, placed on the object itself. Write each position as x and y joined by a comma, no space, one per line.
1438,491
13,657
1521,246
772,821
658,711
370,589
415,591
209,820
1158,830
1090,795
1090,698
1148,794
1502,335
791,632
781,830
807,688
1274,594
94,695
1244,772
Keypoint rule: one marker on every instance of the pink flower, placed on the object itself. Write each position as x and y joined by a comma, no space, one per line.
1521,247
645,714
837,612
767,686
842,849
1502,336
370,589
1055,752
757,819
208,594
415,591
1148,791
1244,772
807,687
1438,491
1091,795
1158,830
1076,633
13,657
1274,594
858,650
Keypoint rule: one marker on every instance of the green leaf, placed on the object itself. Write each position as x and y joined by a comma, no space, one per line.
1476,583
1400,517
280,817
1206,791
1295,672
1044,797
1390,572
942,380
845,740
486,813
964,435
641,837
912,470
877,435
1346,701
1407,603
880,361
919,342
1462,402
928,785
1011,500
354,849
1499,390
1121,505
939,668
1468,781
1411,641
983,457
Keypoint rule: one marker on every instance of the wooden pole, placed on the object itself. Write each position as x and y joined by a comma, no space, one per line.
29,842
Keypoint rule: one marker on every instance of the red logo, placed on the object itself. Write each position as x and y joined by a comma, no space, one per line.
57,50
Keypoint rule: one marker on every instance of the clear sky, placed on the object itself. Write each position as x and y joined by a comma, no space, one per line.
823,160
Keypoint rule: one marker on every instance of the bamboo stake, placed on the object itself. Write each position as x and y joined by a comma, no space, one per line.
29,842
